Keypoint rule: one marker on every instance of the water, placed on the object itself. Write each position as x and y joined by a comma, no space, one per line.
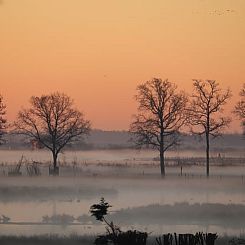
129,193
28,199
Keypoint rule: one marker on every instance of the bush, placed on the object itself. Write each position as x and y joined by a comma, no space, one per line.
187,239
114,234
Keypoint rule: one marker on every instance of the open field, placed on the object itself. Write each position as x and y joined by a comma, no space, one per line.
122,163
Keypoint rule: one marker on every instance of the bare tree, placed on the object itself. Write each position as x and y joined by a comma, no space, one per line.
53,122
3,121
240,107
161,114
205,109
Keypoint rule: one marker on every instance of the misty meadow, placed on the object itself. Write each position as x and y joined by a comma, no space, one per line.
122,122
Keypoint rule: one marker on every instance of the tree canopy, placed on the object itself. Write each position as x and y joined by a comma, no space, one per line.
3,121
52,121
161,114
240,107
205,111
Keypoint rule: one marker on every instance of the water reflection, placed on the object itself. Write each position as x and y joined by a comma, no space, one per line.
123,193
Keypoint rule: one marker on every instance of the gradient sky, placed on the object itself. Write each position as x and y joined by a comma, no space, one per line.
98,51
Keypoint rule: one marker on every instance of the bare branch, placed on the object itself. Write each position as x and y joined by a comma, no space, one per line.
52,121
239,110
3,121
207,103
162,113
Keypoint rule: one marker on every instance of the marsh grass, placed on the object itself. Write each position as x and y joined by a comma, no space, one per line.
47,239
76,239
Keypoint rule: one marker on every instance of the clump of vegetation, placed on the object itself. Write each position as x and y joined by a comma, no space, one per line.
237,241
114,234
187,239
15,170
4,219
58,219
33,169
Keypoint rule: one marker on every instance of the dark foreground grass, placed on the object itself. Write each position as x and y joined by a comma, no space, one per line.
46,240
81,240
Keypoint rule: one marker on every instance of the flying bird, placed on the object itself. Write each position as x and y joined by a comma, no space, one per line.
222,12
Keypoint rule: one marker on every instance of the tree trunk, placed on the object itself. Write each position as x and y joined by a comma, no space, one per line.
56,169
54,160
162,162
207,154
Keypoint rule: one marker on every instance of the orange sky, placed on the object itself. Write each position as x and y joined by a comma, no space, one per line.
98,51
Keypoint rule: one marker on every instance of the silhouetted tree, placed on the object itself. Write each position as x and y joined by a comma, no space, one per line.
240,107
114,234
99,211
206,105
3,121
161,114
53,122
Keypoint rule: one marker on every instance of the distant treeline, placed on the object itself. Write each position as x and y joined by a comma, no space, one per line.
117,140
225,215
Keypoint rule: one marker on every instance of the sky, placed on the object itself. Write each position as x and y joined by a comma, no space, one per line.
97,51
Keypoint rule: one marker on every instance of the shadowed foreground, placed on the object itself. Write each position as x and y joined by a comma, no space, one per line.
86,240
46,240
